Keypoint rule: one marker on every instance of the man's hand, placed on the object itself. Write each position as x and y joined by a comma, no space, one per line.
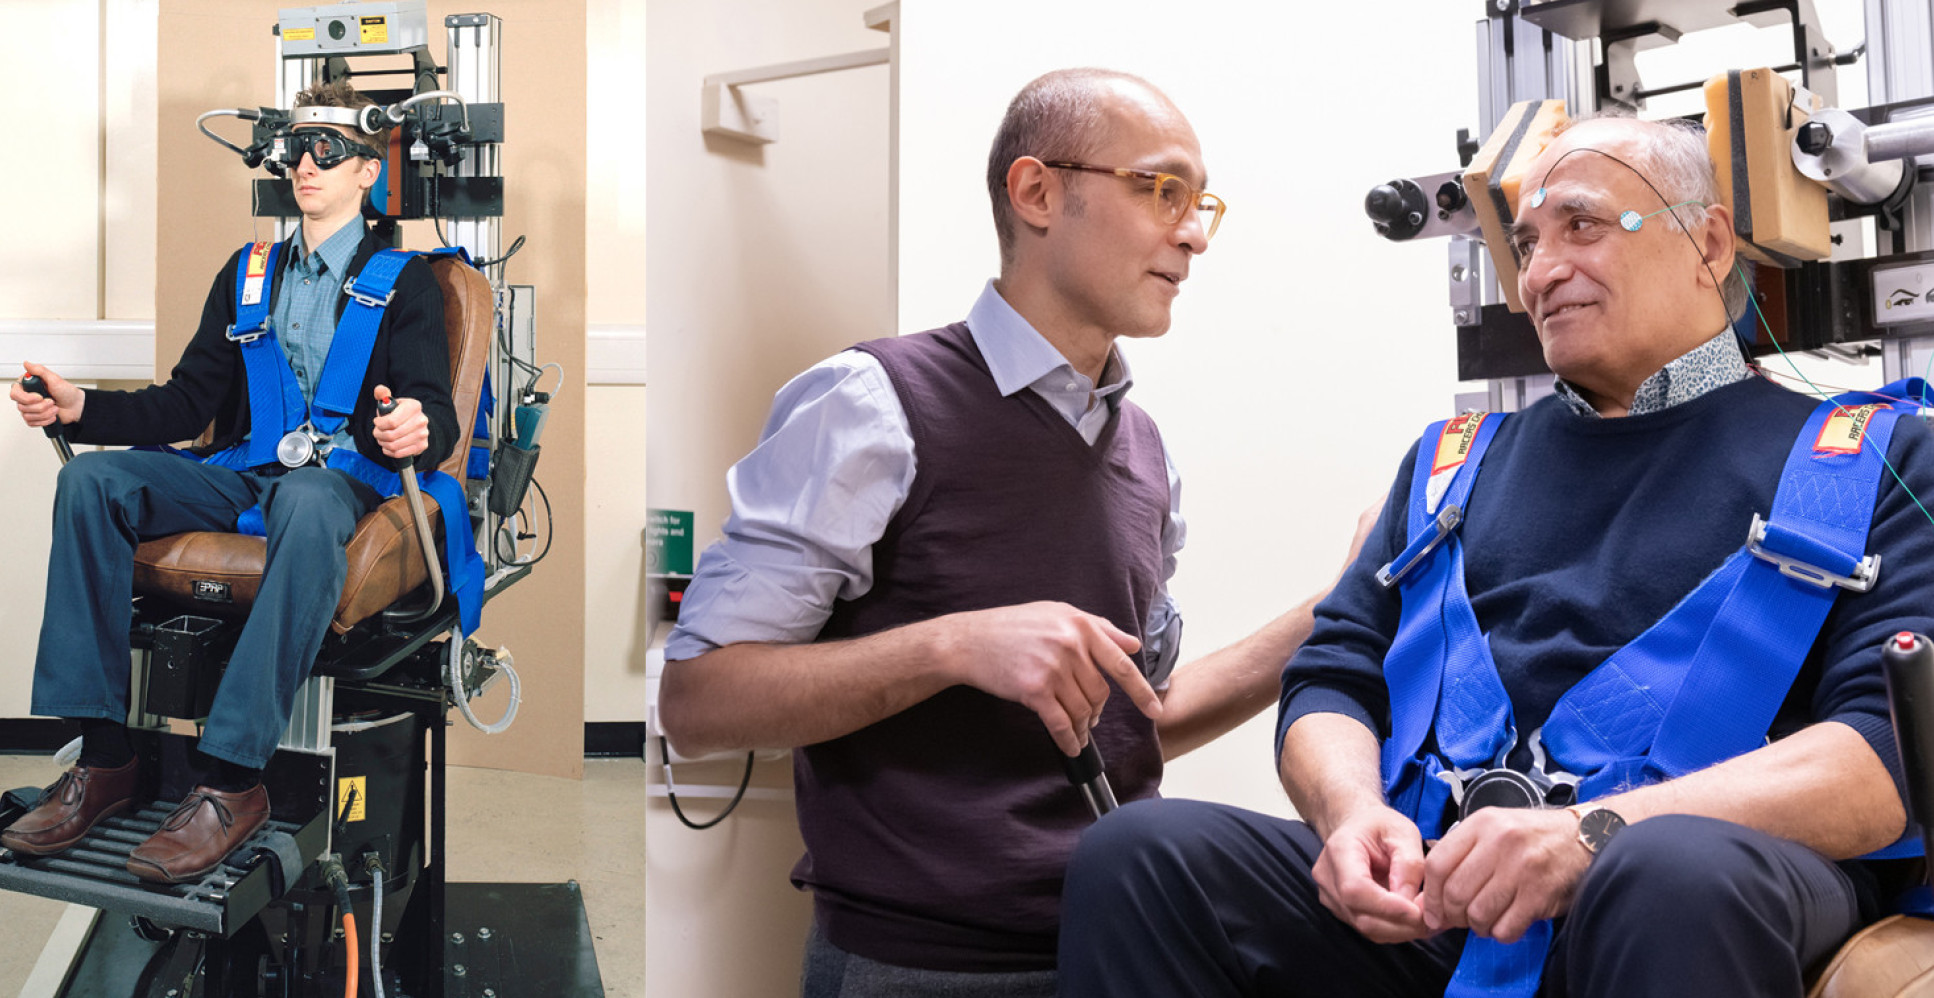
1502,869
404,432
65,403
1370,874
1050,658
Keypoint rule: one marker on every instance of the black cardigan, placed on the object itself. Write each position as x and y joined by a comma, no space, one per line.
411,357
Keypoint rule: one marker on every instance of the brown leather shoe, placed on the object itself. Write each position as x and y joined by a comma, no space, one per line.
200,833
70,808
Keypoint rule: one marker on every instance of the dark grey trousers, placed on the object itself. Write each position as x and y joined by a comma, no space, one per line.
831,972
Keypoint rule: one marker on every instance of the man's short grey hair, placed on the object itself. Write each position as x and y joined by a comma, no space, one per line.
1059,116
1675,157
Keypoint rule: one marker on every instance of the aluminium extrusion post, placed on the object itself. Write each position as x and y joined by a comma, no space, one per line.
475,73
1516,61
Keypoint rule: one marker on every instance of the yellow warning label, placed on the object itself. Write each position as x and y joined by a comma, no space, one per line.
1455,443
299,35
375,30
1844,430
358,785
257,272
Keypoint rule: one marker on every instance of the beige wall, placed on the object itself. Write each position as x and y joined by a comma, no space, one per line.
762,261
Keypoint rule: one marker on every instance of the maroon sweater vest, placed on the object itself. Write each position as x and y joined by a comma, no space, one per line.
937,838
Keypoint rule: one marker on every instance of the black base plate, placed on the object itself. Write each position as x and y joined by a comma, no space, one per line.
517,939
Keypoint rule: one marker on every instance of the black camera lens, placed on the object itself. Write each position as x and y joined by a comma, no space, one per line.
337,30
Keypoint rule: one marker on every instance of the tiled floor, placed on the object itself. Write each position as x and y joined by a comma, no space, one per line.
502,827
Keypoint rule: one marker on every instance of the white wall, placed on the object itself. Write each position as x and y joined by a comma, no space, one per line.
78,242
763,260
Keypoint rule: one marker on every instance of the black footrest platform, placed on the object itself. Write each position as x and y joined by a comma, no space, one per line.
94,873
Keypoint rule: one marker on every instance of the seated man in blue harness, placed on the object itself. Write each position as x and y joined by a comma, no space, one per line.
1693,730
299,451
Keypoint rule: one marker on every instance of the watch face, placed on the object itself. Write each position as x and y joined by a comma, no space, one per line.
1596,828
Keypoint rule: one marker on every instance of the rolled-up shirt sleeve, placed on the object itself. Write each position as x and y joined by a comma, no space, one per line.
833,465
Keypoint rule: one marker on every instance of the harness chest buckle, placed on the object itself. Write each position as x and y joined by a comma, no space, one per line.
349,288
1866,572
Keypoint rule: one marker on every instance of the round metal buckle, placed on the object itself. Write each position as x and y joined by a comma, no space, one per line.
296,449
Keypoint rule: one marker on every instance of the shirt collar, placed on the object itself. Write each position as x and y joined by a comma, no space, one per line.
1018,356
336,252
1715,363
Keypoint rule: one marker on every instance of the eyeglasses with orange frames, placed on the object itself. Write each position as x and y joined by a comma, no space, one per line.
1172,197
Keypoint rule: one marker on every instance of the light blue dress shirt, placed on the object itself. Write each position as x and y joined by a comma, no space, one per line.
834,464
305,309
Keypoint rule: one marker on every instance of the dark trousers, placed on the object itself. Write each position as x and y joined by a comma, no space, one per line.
831,972
1179,897
108,502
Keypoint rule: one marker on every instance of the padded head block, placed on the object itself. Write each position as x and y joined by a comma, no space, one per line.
1493,179
1779,215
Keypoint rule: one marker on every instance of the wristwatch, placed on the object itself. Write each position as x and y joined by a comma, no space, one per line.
1596,826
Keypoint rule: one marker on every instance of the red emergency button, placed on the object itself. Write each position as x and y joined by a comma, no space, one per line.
1904,641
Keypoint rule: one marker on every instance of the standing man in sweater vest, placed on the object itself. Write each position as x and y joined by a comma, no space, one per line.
107,502
1723,775
947,564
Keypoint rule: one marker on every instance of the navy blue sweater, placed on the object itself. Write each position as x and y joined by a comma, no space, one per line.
1581,533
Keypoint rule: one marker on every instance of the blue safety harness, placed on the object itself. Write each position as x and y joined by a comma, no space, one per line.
1700,686
277,407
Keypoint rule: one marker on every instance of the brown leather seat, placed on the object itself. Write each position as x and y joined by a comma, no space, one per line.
385,559
1893,958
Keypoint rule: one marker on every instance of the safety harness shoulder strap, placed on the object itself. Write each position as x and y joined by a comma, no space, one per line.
272,388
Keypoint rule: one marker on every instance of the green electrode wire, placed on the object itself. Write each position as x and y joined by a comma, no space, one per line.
1753,300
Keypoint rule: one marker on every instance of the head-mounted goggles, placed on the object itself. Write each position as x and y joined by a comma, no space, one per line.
328,147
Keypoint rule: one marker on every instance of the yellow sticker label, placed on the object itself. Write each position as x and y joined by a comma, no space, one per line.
375,30
1455,443
299,35
359,785
1845,430
258,270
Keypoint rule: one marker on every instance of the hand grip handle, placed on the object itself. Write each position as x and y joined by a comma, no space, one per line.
33,385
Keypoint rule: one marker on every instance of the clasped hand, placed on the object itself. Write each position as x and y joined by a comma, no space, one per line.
405,432
1495,873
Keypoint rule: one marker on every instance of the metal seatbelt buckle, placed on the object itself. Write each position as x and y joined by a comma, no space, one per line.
1447,520
1866,572
247,337
349,288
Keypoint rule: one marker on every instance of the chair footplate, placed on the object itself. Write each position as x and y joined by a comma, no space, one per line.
94,873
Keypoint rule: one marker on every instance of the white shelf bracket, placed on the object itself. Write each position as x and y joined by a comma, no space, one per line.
728,112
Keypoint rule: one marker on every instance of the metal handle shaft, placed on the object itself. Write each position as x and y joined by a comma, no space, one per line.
414,496
1086,773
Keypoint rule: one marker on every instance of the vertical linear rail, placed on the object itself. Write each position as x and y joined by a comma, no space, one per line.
474,59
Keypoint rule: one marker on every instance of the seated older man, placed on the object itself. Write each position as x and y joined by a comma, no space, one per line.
1594,633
